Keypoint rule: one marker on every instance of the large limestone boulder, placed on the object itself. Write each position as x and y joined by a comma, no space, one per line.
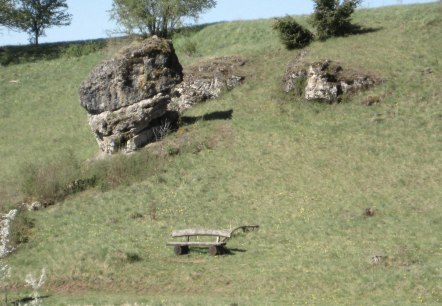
207,80
125,97
324,80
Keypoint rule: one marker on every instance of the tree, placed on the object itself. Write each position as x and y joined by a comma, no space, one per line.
291,33
333,17
157,17
35,16
6,10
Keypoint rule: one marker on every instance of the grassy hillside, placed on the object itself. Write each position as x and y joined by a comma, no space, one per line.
305,172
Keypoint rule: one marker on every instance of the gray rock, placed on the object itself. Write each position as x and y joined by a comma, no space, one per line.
207,80
5,233
35,206
321,83
124,95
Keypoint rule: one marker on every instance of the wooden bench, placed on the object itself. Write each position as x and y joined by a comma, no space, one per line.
216,247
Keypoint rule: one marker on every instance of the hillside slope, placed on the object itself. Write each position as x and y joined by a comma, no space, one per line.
305,172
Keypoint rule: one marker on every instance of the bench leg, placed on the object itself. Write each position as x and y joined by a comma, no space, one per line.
181,249
216,250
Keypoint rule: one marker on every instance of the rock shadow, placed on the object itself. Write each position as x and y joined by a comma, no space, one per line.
218,115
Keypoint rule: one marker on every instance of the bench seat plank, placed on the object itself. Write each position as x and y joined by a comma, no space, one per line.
195,243
201,232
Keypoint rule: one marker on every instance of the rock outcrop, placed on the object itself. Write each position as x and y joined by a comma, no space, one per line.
207,80
324,80
5,234
126,96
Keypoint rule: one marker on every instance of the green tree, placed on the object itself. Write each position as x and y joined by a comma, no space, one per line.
6,10
157,17
333,17
291,33
35,16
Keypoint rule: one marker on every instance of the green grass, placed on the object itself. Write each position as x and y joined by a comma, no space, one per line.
41,117
305,172
24,54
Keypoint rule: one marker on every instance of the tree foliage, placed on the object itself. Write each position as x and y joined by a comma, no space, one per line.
6,10
157,17
291,33
35,16
333,17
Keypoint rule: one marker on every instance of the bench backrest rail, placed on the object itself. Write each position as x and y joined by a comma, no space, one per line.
201,232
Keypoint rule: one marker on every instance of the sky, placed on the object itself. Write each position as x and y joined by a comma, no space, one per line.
91,18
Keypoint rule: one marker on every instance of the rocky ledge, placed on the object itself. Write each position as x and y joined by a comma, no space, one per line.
207,80
324,80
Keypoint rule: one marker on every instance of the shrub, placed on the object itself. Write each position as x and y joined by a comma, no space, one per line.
123,169
118,170
46,181
333,17
49,181
292,34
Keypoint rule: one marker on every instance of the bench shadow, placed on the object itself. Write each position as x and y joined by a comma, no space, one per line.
233,251
218,115
227,251
28,299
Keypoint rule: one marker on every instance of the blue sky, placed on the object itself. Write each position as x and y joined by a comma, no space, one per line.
91,17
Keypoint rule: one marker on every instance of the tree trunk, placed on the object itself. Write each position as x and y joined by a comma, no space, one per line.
35,33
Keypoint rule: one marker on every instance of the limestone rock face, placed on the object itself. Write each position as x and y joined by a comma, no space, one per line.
207,80
322,83
125,96
324,80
